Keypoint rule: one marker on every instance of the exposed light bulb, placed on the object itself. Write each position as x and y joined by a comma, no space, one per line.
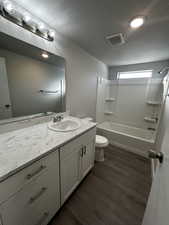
137,22
8,6
45,55
27,18
43,29
41,26
52,33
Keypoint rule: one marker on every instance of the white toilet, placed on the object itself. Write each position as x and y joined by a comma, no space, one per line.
100,143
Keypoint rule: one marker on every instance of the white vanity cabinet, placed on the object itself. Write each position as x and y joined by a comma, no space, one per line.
35,196
76,160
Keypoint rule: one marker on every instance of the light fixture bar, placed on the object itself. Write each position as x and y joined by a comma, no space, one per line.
21,17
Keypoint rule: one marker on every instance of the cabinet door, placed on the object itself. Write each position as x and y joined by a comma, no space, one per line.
37,202
88,158
69,170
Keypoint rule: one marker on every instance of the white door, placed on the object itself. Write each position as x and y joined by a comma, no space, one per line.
157,211
5,102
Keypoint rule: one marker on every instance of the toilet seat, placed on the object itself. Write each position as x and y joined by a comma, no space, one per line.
101,141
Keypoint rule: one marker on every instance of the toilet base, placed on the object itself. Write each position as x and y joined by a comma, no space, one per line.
99,154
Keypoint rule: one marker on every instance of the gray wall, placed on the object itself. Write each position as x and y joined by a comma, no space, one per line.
156,66
162,141
26,76
82,69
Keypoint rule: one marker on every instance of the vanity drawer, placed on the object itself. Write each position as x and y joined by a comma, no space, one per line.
84,139
13,184
36,203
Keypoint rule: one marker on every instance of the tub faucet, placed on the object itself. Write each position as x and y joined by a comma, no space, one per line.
57,118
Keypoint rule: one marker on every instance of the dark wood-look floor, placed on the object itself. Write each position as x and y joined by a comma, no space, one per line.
114,193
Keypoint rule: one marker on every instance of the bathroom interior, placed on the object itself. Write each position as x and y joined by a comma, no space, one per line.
84,112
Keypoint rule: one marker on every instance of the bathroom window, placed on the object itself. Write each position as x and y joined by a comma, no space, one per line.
135,74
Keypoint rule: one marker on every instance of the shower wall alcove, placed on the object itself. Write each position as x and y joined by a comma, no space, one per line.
129,110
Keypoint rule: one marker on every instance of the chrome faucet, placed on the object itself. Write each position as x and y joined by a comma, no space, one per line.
58,118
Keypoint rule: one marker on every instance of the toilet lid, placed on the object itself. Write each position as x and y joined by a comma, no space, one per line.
101,141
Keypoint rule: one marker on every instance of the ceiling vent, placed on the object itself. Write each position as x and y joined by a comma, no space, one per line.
116,39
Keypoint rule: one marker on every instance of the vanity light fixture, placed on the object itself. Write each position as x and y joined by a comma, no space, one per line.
11,11
137,22
18,15
45,55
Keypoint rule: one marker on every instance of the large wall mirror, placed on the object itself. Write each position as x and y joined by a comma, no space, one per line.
32,81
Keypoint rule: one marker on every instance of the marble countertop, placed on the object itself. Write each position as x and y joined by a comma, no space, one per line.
23,146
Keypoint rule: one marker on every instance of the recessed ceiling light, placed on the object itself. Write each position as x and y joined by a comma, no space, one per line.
137,22
45,55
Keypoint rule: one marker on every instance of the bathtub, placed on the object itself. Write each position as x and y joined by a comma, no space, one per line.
130,138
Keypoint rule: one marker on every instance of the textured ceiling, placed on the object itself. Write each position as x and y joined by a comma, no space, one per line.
88,22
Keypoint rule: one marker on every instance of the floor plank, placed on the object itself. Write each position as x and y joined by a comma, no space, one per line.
114,193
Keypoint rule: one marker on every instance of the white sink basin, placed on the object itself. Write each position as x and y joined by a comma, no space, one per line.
65,125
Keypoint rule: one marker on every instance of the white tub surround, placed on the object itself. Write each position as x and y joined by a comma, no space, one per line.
133,139
21,147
